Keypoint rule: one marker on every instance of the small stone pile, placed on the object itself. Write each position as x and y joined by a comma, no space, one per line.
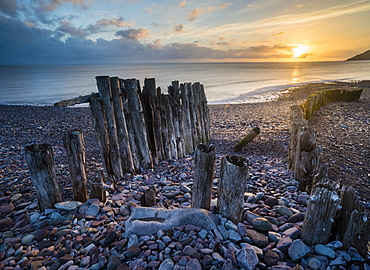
92,235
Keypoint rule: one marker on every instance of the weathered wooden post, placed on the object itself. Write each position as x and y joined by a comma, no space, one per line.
122,134
231,187
205,157
74,144
137,123
104,88
174,93
187,122
101,132
97,189
40,161
322,208
247,139
358,233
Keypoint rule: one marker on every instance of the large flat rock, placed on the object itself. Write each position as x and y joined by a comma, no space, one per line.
146,220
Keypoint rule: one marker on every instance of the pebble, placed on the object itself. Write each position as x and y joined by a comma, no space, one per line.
91,235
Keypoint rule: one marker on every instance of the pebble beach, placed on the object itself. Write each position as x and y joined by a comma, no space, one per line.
93,235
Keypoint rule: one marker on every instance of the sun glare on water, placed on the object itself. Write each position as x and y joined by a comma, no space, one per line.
300,50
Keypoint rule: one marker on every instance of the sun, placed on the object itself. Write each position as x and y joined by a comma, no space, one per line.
299,50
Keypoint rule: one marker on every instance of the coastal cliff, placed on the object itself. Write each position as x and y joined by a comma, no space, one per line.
361,56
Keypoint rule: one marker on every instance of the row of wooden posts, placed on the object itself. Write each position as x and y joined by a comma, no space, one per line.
137,129
231,187
331,210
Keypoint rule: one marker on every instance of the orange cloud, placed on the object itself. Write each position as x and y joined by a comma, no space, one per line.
278,34
195,13
182,4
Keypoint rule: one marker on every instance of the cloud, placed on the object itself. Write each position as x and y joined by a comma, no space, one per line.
148,10
22,43
179,28
116,22
182,4
67,28
195,13
106,23
9,7
134,34
278,34
291,19
50,5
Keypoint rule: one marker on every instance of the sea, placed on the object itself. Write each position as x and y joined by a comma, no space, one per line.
224,83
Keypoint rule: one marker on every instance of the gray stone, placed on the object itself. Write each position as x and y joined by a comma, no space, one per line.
146,220
260,196
223,231
234,236
297,217
249,216
167,264
27,239
133,240
258,238
113,262
67,206
298,250
293,232
262,224
93,210
247,258
314,263
252,198
202,234
274,237
193,264
230,225
284,211
218,257
56,216
339,261
335,244
323,250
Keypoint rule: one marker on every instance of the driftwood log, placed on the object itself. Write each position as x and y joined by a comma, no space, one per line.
73,101
97,186
40,161
322,209
231,187
74,144
205,157
247,139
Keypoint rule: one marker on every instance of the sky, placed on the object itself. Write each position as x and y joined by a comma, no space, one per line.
143,31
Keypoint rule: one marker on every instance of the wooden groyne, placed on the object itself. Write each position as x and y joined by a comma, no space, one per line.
138,128
329,203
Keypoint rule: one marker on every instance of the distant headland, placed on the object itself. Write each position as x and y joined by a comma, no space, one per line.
362,56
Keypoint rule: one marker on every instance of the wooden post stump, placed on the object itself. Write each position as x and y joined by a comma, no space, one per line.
40,161
74,143
322,208
358,233
231,187
149,197
247,139
205,157
97,189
